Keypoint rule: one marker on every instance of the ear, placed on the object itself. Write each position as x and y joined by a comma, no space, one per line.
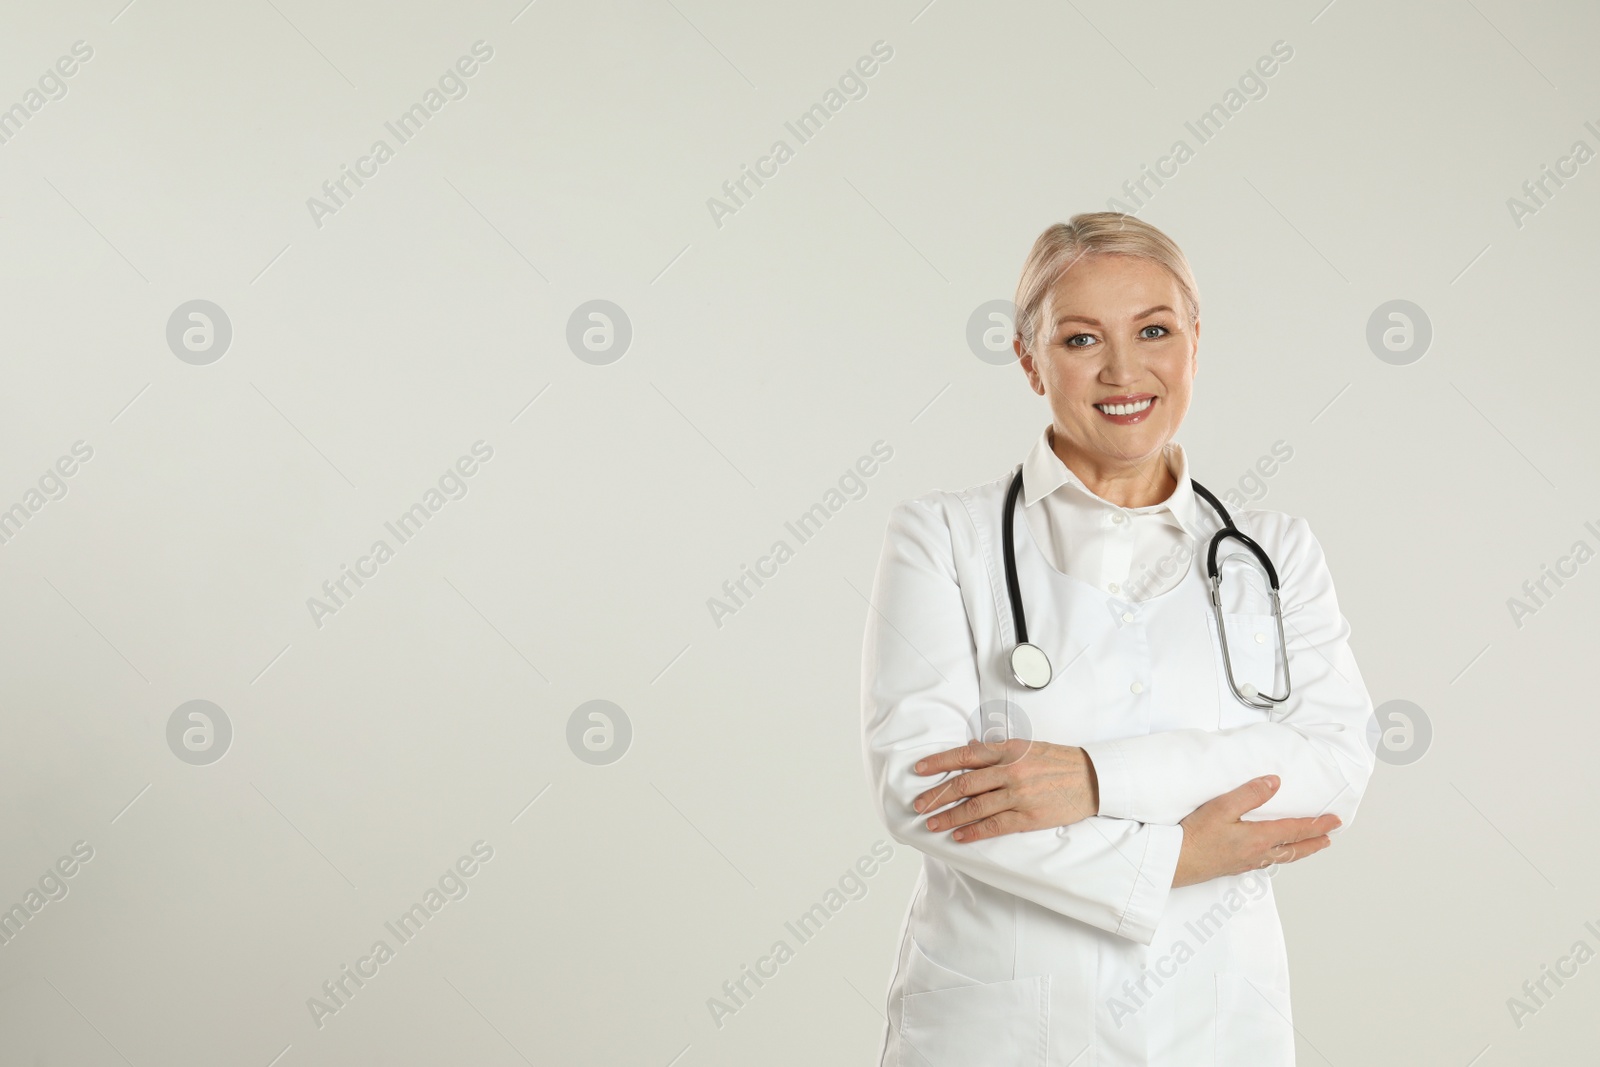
1029,367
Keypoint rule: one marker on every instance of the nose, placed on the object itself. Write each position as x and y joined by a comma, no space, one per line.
1121,362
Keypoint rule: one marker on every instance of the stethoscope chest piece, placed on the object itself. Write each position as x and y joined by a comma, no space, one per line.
1030,666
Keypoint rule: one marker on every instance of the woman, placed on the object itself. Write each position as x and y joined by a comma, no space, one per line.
1095,887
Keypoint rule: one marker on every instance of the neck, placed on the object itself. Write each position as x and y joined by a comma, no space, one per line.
1134,484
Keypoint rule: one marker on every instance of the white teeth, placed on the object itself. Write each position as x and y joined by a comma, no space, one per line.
1126,409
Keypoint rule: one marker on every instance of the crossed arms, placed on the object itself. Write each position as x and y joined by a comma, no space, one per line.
1107,846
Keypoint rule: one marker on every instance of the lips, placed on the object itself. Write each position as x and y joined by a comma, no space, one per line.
1128,409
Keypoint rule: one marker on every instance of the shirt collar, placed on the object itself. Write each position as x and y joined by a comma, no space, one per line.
1043,473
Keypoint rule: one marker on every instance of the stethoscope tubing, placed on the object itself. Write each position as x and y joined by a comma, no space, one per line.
1025,654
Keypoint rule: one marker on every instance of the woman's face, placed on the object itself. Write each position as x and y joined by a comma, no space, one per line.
1115,330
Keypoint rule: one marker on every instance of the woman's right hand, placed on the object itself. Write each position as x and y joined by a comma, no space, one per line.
1217,842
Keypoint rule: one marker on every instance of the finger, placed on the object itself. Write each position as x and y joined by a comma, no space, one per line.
971,754
970,811
1300,829
995,825
1290,851
962,785
1251,795
944,793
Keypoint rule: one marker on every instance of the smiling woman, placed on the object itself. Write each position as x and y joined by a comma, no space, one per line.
1149,768
1058,336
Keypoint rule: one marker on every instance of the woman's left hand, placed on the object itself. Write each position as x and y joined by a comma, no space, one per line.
1010,786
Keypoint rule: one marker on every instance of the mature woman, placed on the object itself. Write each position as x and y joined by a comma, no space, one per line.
1098,839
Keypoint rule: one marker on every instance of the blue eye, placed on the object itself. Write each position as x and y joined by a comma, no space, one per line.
1153,326
1068,341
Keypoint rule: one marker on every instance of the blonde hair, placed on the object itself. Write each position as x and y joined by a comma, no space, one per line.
1100,233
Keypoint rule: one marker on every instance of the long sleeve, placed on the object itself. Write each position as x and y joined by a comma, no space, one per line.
919,692
1316,741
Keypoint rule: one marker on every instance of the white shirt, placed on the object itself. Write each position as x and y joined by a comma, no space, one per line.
1131,553
1033,947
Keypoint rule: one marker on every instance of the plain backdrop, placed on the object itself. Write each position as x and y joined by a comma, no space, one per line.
639,860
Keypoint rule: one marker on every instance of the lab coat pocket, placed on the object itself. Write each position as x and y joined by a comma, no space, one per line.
1253,652
1253,1023
971,1024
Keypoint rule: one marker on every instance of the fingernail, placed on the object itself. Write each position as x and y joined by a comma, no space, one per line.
916,805
922,764
1271,780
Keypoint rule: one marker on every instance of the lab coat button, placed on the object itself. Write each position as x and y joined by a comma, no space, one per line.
1112,587
1137,687
1117,517
1127,616
1261,639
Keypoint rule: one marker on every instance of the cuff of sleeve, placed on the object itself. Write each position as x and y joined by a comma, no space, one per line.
1114,779
1153,884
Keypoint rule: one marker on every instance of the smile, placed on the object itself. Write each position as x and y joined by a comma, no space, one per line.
1127,409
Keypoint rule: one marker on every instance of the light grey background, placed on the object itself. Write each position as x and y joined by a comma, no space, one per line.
768,353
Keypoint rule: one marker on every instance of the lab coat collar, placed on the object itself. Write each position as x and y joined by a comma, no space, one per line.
1043,473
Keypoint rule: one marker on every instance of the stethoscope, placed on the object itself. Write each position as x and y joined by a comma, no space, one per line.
1031,667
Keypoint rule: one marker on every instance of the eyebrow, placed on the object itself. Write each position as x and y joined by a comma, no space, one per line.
1096,322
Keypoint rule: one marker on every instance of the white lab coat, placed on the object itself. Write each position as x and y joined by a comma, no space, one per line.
1068,947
